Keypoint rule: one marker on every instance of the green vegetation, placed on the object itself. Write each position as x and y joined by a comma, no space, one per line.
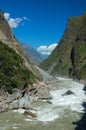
13,73
59,62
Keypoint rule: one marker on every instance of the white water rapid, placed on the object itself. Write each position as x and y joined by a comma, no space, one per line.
57,115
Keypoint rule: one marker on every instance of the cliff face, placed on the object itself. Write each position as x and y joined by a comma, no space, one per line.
69,57
6,34
8,38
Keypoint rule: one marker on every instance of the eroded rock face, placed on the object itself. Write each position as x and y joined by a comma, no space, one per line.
5,31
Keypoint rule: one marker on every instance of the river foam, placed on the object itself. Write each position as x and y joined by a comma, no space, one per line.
73,102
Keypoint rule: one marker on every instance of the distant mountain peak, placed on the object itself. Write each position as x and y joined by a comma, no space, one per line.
33,55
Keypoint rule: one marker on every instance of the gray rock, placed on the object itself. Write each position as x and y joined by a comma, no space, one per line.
49,102
43,93
16,95
3,107
14,104
24,102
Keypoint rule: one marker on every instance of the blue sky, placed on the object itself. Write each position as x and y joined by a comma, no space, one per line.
41,22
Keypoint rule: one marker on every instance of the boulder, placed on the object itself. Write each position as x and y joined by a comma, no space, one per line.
3,107
24,102
84,88
49,102
69,92
10,107
32,92
16,95
42,84
30,114
14,105
43,93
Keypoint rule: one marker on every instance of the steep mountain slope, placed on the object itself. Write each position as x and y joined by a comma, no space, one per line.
15,67
69,57
7,37
33,55
13,73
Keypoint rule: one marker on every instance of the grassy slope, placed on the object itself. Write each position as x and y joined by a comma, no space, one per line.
13,73
75,36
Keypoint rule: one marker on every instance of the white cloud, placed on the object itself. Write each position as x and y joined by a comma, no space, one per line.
25,18
45,53
52,47
7,16
14,22
46,50
42,48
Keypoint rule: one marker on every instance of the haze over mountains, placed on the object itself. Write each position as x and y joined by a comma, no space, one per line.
34,56
69,57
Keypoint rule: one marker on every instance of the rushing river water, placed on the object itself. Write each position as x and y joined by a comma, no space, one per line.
59,115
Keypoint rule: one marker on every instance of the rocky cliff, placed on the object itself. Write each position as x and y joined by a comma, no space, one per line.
69,57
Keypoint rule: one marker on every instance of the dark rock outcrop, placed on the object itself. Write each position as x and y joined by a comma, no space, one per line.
69,92
84,88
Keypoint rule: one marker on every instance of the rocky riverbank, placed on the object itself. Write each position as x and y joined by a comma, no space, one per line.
23,99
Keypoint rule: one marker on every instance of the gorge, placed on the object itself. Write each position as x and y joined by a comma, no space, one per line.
26,89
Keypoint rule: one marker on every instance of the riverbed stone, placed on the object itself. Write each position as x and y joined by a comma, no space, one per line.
30,114
24,102
3,107
69,92
43,93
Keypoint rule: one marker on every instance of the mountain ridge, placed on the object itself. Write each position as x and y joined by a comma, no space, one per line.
8,38
33,55
16,71
69,57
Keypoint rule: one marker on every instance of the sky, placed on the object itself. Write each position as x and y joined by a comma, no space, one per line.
40,23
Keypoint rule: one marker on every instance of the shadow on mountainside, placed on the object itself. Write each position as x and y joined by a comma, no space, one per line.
81,124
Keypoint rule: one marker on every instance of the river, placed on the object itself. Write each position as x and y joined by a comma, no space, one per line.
57,115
